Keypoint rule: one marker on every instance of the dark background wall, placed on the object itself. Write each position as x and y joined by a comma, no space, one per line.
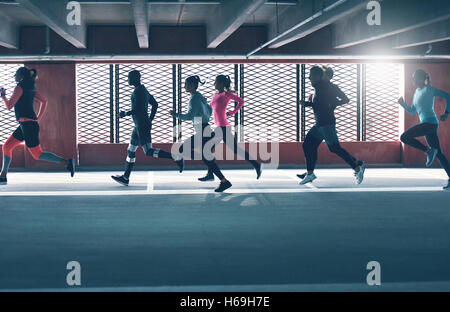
189,40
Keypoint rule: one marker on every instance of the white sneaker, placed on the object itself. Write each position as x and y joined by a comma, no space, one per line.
359,176
431,155
308,179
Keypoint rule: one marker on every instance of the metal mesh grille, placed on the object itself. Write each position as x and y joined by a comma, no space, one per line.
93,103
8,121
270,93
382,111
157,78
346,78
208,73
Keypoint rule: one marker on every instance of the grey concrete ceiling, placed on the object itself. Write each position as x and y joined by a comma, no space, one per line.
159,12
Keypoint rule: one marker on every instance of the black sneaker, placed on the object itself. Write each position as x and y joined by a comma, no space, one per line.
303,175
3,181
121,180
258,169
71,167
447,188
223,186
180,164
207,178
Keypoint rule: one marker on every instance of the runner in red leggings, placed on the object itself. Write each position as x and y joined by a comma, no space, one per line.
22,101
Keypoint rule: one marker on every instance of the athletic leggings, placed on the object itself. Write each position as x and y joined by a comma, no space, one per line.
430,132
315,137
29,132
225,134
190,143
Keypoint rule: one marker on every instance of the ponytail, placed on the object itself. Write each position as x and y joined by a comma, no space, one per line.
27,75
33,74
427,80
195,80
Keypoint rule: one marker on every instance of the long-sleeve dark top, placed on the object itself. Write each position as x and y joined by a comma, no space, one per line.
328,96
139,105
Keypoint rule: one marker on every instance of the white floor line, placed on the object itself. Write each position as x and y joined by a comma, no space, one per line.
230,191
150,182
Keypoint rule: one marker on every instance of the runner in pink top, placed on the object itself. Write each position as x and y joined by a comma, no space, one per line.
223,130
219,104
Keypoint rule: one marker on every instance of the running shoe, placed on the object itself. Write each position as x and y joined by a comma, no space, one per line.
431,155
121,180
180,164
308,179
447,188
207,178
71,167
258,169
223,186
359,176
3,181
302,176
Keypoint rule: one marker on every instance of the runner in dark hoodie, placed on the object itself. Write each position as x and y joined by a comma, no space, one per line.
327,97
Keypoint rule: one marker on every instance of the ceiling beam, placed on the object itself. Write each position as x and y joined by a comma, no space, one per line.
230,15
397,16
296,17
318,21
9,32
429,34
54,15
140,14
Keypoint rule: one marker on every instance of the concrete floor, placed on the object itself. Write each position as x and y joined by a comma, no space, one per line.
168,232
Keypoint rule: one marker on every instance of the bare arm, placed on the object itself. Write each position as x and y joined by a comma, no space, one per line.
43,101
14,98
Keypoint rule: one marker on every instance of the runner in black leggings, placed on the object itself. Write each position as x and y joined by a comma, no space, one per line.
22,101
327,97
199,112
223,131
423,105
141,135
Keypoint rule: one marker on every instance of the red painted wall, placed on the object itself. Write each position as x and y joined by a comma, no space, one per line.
112,155
440,78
